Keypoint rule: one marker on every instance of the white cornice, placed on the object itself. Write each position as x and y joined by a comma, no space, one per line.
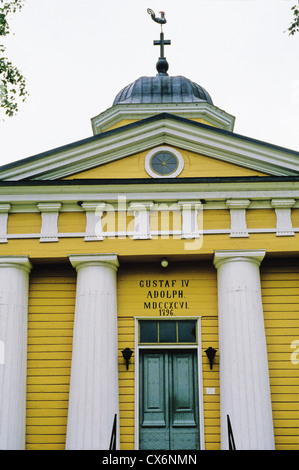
111,146
215,116
24,198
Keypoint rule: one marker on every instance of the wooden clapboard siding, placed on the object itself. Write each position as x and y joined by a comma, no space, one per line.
69,222
50,332
280,291
195,165
202,301
260,218
216,219
24,223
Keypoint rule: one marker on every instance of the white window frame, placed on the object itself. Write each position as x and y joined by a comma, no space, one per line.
163,148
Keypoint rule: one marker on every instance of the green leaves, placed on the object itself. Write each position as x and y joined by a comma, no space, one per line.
12,82
12,86
294,27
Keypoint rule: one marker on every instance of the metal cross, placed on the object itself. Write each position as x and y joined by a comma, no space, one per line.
162,42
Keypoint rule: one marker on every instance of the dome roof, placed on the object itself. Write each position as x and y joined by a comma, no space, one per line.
162,89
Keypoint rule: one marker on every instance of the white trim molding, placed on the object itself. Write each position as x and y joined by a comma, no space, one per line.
4,211
144,135
244,376
49,229
284,227
14,285
94,213
135,111
141,209
93,398
237,209
163,148
190,216
177,346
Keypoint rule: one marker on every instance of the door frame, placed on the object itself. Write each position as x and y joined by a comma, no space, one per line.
197,346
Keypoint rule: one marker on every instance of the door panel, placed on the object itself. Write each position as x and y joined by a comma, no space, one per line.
168,400
183,406
154,418
154,391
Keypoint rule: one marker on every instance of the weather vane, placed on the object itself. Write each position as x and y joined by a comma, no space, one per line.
161,20
162,64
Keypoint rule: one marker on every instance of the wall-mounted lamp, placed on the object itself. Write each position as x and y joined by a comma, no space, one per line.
127,354
211,352
164,263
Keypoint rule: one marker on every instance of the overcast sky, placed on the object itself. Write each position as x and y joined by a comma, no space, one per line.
78,54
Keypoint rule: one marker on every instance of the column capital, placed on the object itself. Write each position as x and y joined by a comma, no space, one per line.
20,262
94,259
225,256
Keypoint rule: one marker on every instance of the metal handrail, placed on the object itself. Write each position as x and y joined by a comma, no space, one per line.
231,440
113,435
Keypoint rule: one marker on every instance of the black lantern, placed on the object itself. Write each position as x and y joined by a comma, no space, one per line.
211,352
127,354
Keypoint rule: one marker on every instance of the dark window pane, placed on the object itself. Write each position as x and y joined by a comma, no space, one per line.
148,332
167,170
164,163
167,332
187,332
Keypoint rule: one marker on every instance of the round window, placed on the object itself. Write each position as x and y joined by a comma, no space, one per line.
164,162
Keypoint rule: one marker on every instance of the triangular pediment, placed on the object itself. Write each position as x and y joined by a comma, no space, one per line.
195,166
226,150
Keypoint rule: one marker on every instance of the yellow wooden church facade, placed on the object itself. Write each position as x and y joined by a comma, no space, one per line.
164,221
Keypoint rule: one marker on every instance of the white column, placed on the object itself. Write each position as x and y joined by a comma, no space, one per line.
244,376
93,398
14,283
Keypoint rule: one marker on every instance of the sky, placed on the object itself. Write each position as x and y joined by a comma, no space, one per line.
77,55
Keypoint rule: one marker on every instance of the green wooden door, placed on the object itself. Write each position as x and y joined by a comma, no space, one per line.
168,412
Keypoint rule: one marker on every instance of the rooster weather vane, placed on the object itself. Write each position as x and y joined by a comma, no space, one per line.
162,64
161,20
